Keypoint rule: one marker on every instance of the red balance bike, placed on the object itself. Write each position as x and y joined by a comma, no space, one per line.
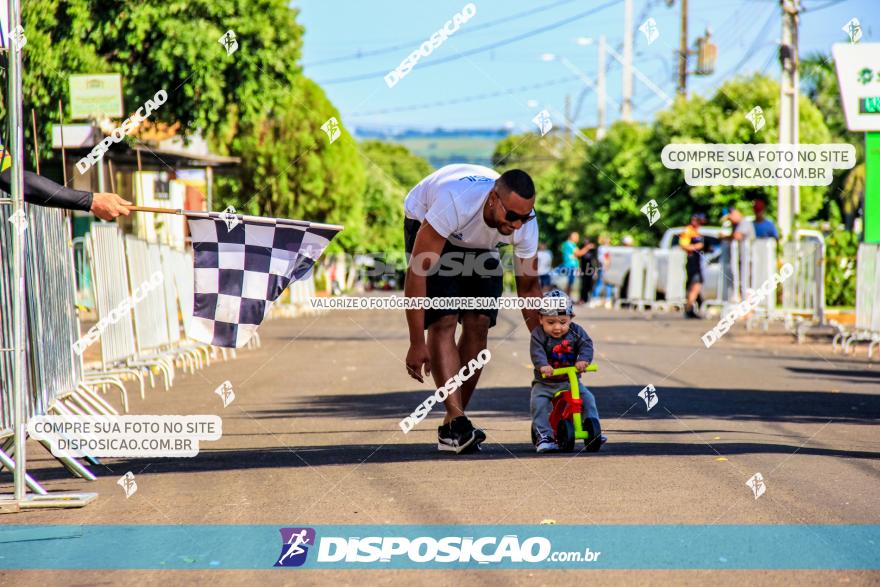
567,417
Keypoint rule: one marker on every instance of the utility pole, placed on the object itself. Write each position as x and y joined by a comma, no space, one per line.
683,50
600,90
788,197
626,106
569,128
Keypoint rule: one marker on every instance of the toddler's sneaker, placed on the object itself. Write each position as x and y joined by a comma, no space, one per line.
546,444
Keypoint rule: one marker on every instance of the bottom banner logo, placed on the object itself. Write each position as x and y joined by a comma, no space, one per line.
295,546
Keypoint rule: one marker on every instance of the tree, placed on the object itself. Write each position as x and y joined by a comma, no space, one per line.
529,151
845,194
253,103
291,168
391,171
613,179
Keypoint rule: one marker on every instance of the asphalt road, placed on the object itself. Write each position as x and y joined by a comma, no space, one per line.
313,438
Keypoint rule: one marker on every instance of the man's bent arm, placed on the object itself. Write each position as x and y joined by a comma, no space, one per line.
426,252
527,286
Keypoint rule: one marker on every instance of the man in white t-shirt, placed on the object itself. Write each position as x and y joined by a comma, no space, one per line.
455,220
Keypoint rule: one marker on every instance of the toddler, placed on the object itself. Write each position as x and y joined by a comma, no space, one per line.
558,342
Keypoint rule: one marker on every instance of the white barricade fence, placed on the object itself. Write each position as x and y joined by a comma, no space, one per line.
169,291
649,270
182,267
676,277
803,292
760,260
867,326
106,248
649,291
54,374
799,292
151,322
635,286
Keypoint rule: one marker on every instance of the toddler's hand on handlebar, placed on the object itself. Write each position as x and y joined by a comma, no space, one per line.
581,366
546,370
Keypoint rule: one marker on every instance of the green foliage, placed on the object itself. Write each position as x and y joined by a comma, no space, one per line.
391,171
819,83
530,152
553,166
290,168
721,119
613,180
840,268
601,187
254,104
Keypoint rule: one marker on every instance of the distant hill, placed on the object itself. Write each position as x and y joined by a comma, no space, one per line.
443,146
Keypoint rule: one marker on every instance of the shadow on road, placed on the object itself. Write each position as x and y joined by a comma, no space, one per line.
356,454
613,401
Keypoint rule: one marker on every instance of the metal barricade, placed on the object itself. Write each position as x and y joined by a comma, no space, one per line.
803,292
649,289
54,376
867,326
177,285
760,259
105,247
635,287
676,278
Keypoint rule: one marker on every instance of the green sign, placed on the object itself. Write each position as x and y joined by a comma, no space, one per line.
869,105
96,96
872,187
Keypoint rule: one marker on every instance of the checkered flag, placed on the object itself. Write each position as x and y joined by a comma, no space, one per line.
241,268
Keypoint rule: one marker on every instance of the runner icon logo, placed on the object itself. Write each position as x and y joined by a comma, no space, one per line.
294,547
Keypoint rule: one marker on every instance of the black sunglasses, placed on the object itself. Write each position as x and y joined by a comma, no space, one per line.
513,216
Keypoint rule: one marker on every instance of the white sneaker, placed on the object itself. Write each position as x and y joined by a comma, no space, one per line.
546,444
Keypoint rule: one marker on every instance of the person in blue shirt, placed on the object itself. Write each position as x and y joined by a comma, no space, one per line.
571,255
763,226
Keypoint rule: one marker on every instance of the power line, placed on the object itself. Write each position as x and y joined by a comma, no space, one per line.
461,100
771,18
470,29
482,49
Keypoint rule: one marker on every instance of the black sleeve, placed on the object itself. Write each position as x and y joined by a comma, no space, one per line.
42,191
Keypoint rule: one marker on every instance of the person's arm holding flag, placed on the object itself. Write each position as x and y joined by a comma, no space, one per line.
42,191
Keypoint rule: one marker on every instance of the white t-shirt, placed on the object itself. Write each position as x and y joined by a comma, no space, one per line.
545,262
451,200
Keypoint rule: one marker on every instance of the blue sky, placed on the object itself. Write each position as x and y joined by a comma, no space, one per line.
745,31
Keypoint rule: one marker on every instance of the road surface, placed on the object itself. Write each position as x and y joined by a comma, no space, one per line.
313,438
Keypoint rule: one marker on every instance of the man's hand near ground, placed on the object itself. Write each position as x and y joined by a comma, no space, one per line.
108,206
426,252
416,357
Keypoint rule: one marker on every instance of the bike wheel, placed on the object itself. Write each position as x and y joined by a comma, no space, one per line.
565,436
592,443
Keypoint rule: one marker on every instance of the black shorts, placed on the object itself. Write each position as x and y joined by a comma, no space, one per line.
694,270
471,273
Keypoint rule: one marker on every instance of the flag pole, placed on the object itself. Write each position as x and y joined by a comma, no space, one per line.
36,143
220,215
61,132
